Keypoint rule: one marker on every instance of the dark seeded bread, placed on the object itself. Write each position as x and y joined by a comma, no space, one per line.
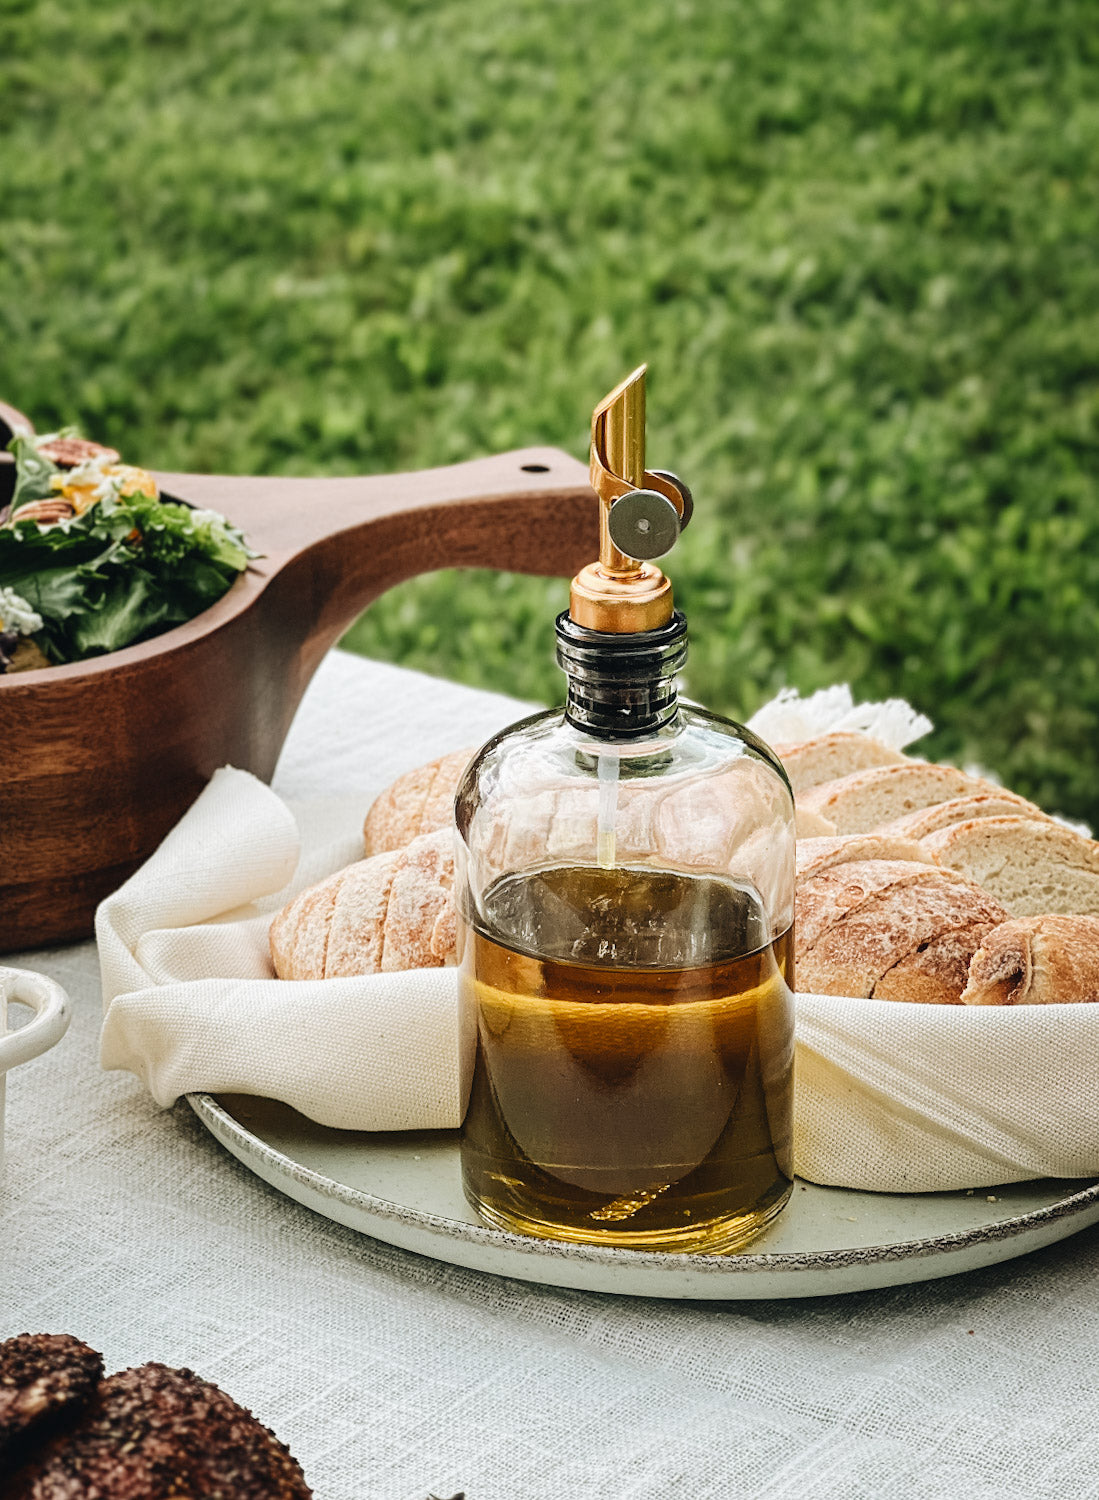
152,1432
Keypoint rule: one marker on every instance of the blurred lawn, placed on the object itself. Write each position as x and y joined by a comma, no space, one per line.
856,242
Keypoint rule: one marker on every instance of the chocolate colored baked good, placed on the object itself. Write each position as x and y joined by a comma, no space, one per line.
43,1378
152,1433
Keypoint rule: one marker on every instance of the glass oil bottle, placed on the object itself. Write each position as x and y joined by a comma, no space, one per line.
625,886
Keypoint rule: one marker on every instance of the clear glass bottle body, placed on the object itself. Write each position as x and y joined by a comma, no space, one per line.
625,950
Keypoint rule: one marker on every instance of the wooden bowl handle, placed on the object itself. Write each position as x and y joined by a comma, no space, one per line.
344,541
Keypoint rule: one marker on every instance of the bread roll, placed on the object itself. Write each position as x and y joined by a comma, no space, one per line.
991,804
829,756
392,911
866,800
1043,960
1033,867
420,801
890,929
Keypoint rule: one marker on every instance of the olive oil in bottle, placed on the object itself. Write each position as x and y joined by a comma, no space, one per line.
624,875
629,1083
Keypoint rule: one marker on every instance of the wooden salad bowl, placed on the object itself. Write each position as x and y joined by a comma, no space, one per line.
102,757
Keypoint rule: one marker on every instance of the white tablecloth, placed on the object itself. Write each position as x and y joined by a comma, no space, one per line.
392,1376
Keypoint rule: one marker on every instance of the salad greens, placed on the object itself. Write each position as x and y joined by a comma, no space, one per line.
120,564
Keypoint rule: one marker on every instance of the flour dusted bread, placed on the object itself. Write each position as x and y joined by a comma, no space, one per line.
392,911
866,800
829,756
420,801
1034,867
1046,960
891,929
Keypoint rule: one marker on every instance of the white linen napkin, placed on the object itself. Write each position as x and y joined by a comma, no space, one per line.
891,1097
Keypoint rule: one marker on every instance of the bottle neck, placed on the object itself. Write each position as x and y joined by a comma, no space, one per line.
621,686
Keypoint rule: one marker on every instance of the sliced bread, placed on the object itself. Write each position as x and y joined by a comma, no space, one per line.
828,756
830,897
866,800
1033,866
1036,961
996,803
911,940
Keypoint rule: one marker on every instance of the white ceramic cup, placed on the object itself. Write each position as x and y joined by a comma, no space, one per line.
52,1012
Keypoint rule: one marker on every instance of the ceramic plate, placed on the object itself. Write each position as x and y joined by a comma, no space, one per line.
406,1189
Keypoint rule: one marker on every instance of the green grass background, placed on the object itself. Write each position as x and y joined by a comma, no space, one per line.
855,240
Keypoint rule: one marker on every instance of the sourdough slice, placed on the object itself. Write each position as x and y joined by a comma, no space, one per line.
298,936
853,956
392,911
831,896
1046,960
991,804
420,928
1032,866
816,855
936,971
828,756
866,800
420,801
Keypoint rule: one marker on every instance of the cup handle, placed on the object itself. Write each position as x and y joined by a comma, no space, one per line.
52,1008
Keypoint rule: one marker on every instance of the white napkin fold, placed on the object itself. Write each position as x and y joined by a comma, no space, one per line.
891,1097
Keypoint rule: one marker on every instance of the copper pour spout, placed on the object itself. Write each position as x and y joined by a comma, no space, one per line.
638,508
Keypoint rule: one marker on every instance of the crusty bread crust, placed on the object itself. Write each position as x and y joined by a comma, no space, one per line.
936,971
828,756
866,800
1042,960
389,912
420,801
830,897
893,924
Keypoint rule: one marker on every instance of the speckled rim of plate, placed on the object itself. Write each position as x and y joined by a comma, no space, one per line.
743,1275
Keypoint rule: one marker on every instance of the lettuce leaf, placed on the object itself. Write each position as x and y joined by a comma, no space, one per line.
126,569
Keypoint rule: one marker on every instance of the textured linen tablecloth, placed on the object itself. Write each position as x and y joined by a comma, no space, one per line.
391,1376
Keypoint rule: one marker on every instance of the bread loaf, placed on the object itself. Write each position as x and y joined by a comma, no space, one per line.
392,911
890,929
1036,961
1034,867
991,804
866,800
829,756
420,801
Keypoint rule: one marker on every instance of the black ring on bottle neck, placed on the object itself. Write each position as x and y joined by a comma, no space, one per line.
621,686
